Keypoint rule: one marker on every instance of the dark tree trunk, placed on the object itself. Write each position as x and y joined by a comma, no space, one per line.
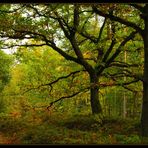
144,117
94,95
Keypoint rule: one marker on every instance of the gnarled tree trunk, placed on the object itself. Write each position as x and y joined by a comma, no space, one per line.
94,95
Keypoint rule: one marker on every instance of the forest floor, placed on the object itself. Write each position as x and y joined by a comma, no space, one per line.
3,139
63,129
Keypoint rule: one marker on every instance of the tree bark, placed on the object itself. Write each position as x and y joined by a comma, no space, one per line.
94,95
144,116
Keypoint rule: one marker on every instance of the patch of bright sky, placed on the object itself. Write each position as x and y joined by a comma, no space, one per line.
13,49
101,20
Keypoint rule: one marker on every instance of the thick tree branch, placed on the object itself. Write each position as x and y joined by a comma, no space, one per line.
85,22
47,41
106,55
124,73
130,89
67,34
73,41
36,10
125,85
88,36
118,19
69,96
76,17
100,68
117,83
64,54
63,77
101,30
123,64
55,81
22,35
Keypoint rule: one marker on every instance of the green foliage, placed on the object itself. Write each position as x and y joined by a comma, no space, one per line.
83,122
132,139
5,64
43,134
66,128
2,105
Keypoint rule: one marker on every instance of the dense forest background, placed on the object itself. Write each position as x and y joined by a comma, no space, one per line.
73,74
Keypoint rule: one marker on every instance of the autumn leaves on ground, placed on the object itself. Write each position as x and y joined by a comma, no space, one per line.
65,128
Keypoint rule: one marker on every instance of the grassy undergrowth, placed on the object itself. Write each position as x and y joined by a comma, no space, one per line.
64,128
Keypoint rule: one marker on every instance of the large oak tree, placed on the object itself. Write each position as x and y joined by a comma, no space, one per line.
75,32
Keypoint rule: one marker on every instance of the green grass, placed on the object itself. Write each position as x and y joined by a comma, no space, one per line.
64,128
